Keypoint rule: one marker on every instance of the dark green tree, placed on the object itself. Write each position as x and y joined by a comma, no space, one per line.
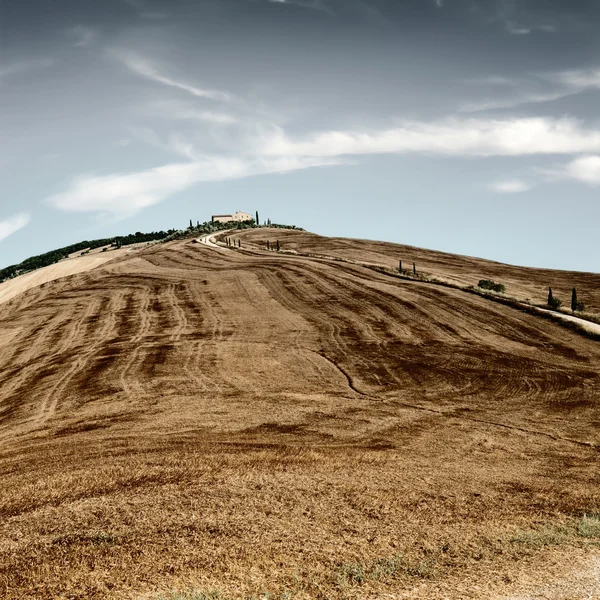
574,303
400,266
239,243
278,246
553,303
257,221
268,245
414,269
191,224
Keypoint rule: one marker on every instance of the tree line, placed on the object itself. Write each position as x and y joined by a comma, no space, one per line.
49,258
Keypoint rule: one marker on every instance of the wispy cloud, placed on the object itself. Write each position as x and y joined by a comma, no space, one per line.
584,169
455,137
83,36
534,89
123,195
513,186
518,98
516,29
577,79
146,69
177,110
13,224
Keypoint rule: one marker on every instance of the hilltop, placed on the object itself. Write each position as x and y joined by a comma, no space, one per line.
305,423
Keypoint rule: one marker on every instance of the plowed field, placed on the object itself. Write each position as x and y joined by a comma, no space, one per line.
250,424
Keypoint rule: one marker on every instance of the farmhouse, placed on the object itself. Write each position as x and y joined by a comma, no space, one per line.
237,217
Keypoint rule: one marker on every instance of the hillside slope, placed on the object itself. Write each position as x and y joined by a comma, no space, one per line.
521,282
14,287
251,422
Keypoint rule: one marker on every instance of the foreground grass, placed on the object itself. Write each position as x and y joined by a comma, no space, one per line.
353,579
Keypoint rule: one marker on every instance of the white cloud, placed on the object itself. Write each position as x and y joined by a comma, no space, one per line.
207,116
516,29
518,99
585,169
83,36
182,111
470,137
123,195
146,69
535,88
513,186
577,79
13,224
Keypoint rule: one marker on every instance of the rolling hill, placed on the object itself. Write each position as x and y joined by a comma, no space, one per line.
238,423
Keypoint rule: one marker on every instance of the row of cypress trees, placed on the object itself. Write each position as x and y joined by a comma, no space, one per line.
555,303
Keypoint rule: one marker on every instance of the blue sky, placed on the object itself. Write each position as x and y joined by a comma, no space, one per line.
469,126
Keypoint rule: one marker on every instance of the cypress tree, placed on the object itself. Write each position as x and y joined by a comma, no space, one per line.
550,297
257,221
277,245
239,243
400,267
191,224
268,245
414,269
574,303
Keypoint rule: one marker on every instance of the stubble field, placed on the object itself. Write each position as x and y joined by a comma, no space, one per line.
239,423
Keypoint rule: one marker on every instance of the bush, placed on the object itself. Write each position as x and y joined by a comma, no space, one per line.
488,284
554,303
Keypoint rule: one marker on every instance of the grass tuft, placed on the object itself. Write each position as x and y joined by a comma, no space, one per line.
545,536
589,526
356,574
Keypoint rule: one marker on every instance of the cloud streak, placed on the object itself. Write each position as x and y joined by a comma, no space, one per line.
144,68
513,186
124,195
452,137
584,169
13,224
535,88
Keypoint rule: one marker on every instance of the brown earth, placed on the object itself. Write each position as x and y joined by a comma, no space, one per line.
521,282
251,424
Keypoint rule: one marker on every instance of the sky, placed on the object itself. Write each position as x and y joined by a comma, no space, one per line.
468,126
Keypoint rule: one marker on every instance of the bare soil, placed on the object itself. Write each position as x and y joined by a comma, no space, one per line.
251,424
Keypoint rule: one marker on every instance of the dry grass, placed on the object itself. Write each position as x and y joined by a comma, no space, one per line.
187,422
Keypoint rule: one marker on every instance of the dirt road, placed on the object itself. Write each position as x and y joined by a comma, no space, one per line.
253,422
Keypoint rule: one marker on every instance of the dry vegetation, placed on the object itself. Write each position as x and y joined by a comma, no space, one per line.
196,423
